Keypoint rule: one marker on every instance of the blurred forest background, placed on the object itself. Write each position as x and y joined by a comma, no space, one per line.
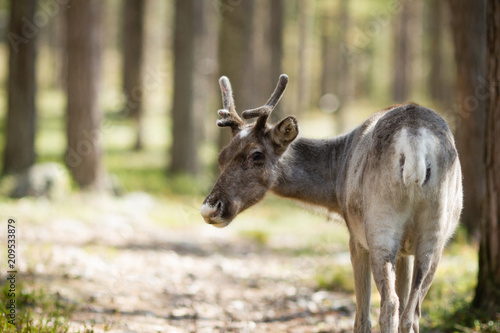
119,96
149,70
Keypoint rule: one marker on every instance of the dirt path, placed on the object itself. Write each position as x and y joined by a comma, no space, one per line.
128,274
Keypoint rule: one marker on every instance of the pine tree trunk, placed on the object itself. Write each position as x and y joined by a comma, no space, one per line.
184,144
206,100
234,53
61,49
402,53
488,286
329,47
305,26
346,79
19,152
204,56
469,34
436,84
84,153
276,47
133,46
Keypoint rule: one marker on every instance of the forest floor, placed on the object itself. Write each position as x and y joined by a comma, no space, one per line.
126,273
142,263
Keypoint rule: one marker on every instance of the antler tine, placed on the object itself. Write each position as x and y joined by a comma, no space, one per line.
266,109
227,94
229,116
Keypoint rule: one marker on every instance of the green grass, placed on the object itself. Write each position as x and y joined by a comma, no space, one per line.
335,278
35,311
446,307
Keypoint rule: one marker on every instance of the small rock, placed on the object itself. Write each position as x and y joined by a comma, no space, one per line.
49,180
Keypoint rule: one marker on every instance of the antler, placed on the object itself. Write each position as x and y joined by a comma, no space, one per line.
229,116
264,111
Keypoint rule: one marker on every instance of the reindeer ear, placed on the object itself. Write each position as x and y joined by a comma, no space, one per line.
284,132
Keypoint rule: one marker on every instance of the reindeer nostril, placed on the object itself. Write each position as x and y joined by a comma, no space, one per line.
212,212
217,209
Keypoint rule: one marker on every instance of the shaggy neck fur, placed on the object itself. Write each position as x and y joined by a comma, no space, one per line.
310,171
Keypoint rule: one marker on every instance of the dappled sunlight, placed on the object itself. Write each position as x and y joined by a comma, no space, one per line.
110,115
89,248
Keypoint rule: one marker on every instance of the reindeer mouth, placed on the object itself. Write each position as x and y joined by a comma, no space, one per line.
218,215
217,221
219,224
214,214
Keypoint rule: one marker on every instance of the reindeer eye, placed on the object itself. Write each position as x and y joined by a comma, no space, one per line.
257,156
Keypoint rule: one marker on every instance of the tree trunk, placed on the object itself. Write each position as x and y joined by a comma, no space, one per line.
402,53
84,153
469,34
346,80
260,56
276,47
62,49
305,26
205,82
19,152
133,46
436,83
263,58
235,49
488,286
329,47
184,144
55,43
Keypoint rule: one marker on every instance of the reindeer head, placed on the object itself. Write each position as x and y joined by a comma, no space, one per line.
248,162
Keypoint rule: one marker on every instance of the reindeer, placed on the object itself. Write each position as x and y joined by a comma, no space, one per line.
396,181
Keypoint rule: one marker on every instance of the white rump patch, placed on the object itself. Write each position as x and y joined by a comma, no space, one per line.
416,150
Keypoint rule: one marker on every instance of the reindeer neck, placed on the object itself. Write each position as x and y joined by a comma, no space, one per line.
310,171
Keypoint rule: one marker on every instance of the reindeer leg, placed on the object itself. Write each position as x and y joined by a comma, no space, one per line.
428,253
404,268
423,276
362,281
383,250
